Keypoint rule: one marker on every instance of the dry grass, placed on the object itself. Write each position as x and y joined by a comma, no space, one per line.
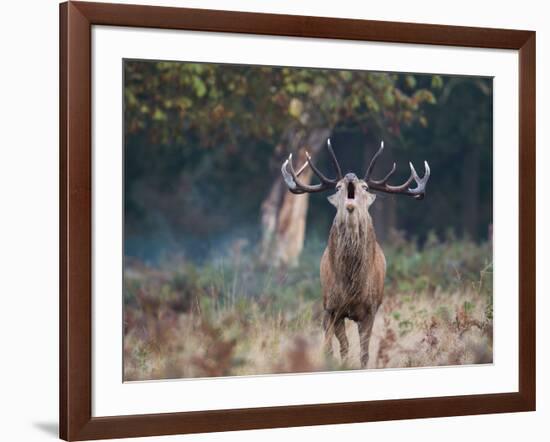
194,324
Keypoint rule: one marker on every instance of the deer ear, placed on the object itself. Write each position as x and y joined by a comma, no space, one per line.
332,199
370,198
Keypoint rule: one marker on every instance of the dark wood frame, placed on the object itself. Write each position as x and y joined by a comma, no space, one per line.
76,421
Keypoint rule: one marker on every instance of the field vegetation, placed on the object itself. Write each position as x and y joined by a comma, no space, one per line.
232,316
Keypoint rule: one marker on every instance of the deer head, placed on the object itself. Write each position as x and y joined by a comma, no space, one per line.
353,195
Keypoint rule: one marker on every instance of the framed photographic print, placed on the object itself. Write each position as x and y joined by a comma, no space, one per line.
272,220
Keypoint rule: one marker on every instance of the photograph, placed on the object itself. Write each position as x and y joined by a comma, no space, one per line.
232,221
286,219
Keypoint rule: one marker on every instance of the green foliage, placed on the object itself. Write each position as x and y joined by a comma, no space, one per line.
440,265
171,103
437,82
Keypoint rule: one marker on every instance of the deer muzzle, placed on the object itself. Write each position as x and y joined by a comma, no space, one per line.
350,200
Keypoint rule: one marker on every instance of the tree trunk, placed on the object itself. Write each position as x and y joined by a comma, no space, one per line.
384,209
283,214
384,215
470,193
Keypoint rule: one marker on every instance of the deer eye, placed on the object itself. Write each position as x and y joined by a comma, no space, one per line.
365,187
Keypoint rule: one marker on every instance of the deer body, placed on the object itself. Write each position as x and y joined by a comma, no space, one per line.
353,266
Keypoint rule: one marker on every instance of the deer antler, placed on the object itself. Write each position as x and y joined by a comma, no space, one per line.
297,187
382,185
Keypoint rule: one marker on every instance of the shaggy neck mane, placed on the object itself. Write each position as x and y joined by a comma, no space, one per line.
352,248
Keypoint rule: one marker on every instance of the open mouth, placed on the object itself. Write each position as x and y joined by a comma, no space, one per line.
351,191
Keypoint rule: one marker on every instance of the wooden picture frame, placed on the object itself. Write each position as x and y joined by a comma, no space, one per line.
76,21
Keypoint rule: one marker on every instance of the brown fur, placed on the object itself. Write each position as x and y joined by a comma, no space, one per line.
353,268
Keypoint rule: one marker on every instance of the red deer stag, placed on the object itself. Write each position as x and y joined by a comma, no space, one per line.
353,266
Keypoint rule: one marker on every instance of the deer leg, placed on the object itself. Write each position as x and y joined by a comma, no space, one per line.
340,330
365,330
328,326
